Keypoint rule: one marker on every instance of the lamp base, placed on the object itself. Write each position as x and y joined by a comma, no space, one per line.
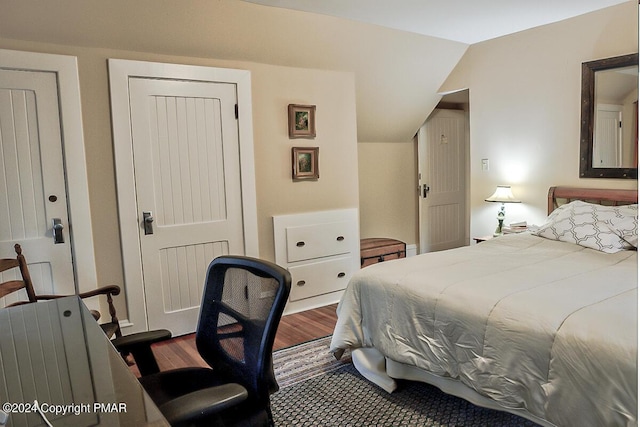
498,231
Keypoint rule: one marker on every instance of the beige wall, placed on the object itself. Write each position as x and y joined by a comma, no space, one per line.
524,104
393,92
388,190
333,93
524,92
378,69
273,88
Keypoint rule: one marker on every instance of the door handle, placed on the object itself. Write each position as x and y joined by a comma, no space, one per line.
147,222
57,231
425,190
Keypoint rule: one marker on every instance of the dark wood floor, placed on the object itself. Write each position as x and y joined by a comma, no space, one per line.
305,326
293,329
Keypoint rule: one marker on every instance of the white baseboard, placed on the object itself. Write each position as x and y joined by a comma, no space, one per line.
312,302
412,250
124,325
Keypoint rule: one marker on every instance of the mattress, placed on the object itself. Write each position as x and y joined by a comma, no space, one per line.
537,326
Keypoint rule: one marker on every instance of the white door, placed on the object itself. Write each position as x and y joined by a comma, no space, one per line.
187,179
607,144
32,180
442,168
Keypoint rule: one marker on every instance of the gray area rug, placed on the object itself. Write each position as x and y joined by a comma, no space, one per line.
317,390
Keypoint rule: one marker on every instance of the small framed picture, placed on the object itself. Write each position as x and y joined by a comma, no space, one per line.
305,163
302,121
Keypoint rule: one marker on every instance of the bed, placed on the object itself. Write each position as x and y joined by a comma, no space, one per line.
541,324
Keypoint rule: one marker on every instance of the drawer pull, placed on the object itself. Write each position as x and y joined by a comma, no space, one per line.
340,238
301,283
300,244
341,275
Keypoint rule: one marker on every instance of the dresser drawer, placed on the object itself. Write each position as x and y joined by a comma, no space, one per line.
318,240
320,277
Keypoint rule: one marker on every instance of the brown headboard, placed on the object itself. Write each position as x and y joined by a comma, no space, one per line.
562,195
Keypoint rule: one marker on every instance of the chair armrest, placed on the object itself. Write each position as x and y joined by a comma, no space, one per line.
141,339
104,290
139,346
202,403
109,291
49,297
18,303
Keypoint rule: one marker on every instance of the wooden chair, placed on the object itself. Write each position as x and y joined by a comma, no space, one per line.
111,328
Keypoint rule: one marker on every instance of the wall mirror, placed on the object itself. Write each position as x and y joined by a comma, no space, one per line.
609,124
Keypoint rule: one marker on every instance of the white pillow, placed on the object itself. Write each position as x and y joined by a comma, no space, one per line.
608,229
625,224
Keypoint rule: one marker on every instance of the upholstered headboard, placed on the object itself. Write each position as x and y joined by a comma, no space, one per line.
562,195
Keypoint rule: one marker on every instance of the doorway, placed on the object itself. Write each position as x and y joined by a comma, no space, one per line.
607,137
443,164
186,190
43,175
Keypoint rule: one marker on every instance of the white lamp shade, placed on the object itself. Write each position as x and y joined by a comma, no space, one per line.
502,194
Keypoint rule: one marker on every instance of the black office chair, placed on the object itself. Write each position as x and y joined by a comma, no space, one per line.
241,308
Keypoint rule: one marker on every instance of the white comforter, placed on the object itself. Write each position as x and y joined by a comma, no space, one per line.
545,326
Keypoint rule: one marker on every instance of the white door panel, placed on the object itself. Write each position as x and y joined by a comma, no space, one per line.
442,148
187,173
607,145
32,179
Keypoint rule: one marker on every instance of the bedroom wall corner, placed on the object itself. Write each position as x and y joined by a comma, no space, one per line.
524,93
387,181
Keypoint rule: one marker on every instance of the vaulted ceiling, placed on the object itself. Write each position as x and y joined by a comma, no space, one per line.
458,20
398,72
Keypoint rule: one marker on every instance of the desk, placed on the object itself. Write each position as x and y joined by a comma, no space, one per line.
55,352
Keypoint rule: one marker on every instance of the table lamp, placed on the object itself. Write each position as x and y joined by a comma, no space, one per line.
503,195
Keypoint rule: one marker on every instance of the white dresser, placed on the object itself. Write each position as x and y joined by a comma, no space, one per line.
321,250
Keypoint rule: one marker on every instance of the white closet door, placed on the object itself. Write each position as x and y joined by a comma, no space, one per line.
187,176
32,180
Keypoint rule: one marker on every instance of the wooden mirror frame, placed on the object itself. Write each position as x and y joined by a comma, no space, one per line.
586,129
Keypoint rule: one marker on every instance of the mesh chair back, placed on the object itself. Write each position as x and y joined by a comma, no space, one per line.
242,305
